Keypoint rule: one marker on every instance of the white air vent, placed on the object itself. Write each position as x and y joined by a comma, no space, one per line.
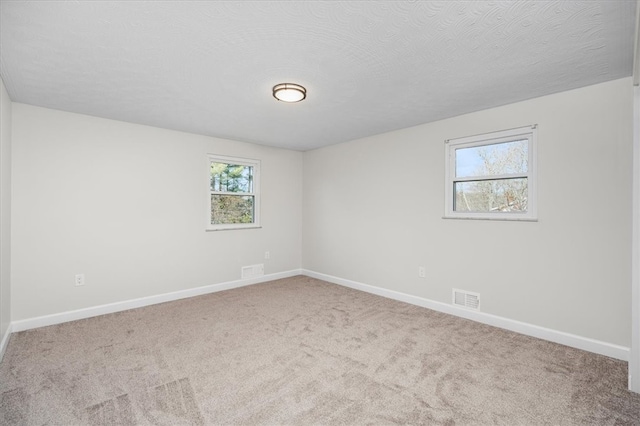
466,299
253,271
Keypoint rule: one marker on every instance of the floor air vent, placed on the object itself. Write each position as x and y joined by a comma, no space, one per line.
252,271
466,299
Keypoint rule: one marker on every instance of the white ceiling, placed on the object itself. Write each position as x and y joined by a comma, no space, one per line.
208,67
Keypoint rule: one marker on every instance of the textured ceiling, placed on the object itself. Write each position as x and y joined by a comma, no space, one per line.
207,67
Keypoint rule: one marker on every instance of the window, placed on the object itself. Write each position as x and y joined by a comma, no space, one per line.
492,176
234,193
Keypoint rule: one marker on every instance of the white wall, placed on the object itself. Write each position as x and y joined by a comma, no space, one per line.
125,204
372,213
5,211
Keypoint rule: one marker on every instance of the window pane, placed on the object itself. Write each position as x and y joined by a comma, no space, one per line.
500,195
496,159
231,178
227,209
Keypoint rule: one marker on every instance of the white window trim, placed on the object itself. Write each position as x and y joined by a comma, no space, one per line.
256,192
528,132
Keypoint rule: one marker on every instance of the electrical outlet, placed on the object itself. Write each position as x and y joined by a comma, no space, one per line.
422,272
267,255
79,279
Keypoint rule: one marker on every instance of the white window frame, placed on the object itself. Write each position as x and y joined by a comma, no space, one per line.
212,158
521,133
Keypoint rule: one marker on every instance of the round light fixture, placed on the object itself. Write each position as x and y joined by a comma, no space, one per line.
289,92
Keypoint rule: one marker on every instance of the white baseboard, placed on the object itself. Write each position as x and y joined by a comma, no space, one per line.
94,311
567,339
5,341
572,340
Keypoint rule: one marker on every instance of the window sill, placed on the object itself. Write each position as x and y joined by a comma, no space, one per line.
500,219
232,228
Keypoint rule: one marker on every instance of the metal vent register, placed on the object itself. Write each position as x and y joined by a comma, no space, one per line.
466,299
252,271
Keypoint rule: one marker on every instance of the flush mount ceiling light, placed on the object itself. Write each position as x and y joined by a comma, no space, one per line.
289,92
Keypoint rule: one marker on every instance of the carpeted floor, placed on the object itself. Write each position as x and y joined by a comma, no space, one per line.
299,351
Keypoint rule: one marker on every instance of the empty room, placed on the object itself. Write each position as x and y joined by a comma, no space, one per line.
319,212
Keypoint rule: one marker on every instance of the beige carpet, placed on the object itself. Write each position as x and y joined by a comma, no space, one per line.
300,351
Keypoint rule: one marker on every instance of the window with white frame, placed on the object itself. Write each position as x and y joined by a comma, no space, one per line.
492,176
234,193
